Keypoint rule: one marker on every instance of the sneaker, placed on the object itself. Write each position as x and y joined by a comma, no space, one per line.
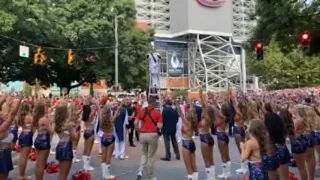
90,168
75,160
123,157
139,177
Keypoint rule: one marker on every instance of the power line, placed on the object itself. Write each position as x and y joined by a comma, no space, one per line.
55,48
159,48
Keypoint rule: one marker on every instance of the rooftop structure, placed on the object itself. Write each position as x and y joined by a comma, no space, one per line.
205,36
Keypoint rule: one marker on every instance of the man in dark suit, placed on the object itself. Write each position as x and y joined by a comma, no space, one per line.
170,118
132,112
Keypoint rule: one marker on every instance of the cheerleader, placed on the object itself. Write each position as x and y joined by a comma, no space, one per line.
223,119
51,113
295,129
308,113
13,129
253,150
317,130
189,125
43,139
89,116
6,138
206,138
107,139
276,162
65,131
25,121
239,128
74,117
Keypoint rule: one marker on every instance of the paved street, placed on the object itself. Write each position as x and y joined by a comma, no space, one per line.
126,169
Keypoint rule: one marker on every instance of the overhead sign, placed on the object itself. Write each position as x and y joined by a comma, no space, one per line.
24,51
212,3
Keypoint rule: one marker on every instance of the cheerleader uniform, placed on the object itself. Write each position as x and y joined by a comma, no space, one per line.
240,130
280,156
6,164
317,138
188,144
309,139
26,136
257,170
42,141
14,130
206,137
64,147
88,132
223,137
298,144
107,139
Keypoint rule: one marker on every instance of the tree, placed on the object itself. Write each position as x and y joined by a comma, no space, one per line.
28,90
284,21
91,89
59,25
280,70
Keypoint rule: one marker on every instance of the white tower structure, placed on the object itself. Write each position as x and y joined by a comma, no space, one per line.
242,24
155,12
214,32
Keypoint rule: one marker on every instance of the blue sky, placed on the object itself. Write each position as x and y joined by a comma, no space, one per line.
309,1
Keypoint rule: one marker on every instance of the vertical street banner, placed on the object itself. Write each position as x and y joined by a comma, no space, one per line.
175,63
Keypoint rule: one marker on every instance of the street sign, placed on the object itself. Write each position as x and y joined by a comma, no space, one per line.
24,51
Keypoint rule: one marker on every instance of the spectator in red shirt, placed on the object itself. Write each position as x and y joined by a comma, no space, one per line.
151,123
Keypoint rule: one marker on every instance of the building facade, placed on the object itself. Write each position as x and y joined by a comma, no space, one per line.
200,41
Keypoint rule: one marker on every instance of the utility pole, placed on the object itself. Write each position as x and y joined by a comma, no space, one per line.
116,53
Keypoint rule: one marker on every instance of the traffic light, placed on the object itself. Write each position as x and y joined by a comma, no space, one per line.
259,51
43,58
305,38
305,41
70,56
39,57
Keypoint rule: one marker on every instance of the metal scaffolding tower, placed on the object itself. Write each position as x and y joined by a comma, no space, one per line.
212,61
213,64
241,20
155,12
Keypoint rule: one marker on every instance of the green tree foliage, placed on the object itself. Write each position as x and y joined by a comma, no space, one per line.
28,90
285,70
74,24
284,21
91,90
180,93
